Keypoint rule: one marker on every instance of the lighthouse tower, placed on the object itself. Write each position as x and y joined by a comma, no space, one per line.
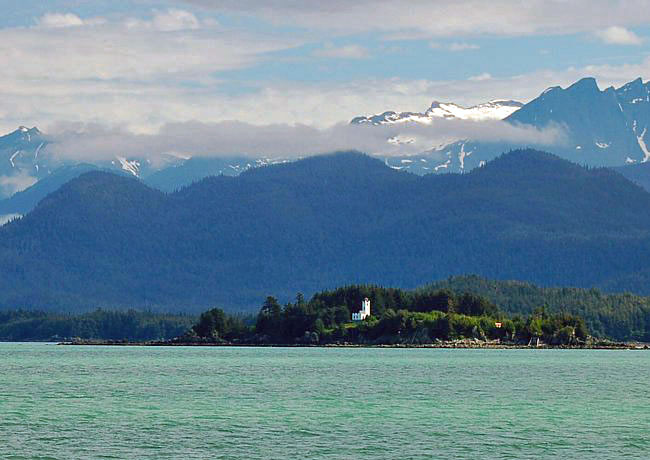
364,312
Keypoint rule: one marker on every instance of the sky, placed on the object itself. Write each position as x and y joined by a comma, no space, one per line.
143,66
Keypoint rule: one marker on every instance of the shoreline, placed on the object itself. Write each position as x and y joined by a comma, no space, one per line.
444,345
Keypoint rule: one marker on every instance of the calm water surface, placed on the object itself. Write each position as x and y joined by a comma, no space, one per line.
308,403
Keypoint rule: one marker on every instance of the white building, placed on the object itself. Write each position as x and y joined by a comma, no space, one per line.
364,312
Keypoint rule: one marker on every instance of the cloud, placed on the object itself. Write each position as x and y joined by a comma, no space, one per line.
342,52
442,18
99,142
454,46
127,51
63,20
172,20
16,183
60,20
143,74
463,46
142,78
481,77
144,106
619,36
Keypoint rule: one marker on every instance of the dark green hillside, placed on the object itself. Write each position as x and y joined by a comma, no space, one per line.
637,173
84,246
108,241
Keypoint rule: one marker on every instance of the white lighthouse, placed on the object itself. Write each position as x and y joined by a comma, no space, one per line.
364,312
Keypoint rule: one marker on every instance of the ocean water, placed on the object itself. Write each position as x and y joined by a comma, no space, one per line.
313,403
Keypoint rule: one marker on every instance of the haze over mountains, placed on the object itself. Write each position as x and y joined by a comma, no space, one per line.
604,128
109,240
105,234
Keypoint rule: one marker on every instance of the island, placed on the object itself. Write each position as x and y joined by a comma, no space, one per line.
378,317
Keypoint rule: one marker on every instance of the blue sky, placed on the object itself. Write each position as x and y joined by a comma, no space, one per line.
139,65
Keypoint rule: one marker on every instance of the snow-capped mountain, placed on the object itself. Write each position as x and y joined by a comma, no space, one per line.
25,159
22,160
604,128
19,150
493,110
145,166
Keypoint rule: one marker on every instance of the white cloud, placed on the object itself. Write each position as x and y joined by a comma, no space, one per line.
172,20
443,18
144,106
175,19
343,52
142,77
16,183
616,35
481,77
454,46
60,20
463,46
124,52
123,72
99,142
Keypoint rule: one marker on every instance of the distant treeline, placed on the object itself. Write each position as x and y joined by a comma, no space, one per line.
616,316
398,316
21,325
461,306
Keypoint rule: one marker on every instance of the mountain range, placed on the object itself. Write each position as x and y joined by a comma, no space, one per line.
603,128
29,171
109,240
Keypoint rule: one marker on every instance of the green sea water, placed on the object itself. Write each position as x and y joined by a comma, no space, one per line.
314,403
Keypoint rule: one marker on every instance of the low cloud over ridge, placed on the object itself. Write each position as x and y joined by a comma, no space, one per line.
93,142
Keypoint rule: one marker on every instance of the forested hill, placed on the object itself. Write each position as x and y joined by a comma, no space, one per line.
637,173
109,241
620,316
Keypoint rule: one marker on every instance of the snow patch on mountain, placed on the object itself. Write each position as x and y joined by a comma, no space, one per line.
11,158
461,156
130,166
444,165
643,146
493,110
